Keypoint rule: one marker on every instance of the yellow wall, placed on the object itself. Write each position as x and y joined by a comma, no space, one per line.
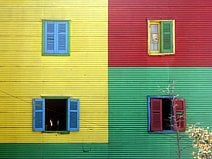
26,74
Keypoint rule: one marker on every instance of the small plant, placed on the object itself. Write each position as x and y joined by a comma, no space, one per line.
202,141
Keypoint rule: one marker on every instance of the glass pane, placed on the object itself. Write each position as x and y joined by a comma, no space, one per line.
154,28
154,37
154,47
154,42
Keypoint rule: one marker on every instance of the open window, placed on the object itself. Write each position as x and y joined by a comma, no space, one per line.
58,114
166,113
161,37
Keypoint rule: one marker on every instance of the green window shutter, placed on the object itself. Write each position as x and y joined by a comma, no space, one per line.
166,37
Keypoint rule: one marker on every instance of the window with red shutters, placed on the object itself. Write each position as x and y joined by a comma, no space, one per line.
166,114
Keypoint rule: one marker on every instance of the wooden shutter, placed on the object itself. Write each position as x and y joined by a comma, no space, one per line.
179,114
166,36
38,114
156,114
73,114
50,37
62,39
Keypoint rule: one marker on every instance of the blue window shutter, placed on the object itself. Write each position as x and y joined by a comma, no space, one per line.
38,114
50,37
62,37
73,114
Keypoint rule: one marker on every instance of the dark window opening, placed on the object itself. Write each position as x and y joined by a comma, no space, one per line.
166,113
55,114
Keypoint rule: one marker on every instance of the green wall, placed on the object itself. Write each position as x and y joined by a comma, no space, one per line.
57,151
128,90
128,136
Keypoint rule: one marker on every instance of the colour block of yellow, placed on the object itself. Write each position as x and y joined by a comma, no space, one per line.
26,74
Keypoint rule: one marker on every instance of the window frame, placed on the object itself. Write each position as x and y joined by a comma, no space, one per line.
172,120
159,52
44,32
68,117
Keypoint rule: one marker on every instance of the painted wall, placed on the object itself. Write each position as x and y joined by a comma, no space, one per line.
128,134
133,74
128,32
26,74
128,87
128,123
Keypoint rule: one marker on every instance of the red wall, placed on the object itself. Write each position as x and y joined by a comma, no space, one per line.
128,32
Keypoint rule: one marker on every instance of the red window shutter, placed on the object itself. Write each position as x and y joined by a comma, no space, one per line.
156,115
179,114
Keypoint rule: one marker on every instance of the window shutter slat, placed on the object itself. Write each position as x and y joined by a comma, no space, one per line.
166,36
50,38
156,114
73,114
62,37
38,114
179,114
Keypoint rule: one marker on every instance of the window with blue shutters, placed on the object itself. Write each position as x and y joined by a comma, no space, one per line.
55,37
56,114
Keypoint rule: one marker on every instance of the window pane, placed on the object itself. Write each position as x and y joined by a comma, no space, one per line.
154,46
154,37
154,28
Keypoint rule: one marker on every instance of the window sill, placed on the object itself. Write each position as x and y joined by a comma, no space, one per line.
160,54
55,54
162,132
58,132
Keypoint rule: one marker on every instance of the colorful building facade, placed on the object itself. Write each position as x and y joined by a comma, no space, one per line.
140,69
115,58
